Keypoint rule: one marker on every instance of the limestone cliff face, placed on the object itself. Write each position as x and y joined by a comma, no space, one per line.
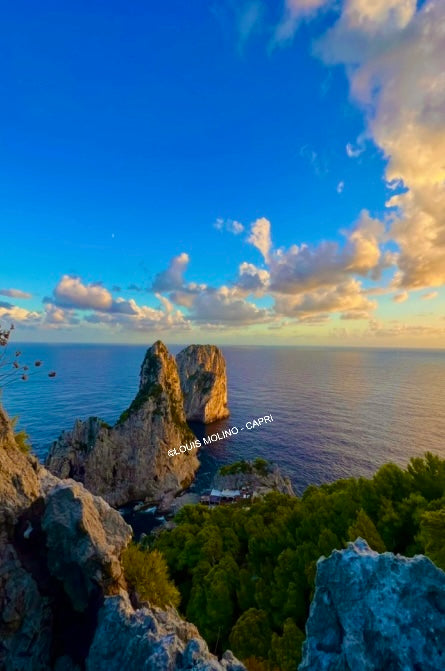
130,460
63,599
150,638
202,371
57,541
375,611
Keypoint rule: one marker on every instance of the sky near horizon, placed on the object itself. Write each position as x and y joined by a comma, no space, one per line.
224,171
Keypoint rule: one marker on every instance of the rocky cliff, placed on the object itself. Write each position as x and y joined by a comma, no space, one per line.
375,611
259,475
202,372
63,599
130,460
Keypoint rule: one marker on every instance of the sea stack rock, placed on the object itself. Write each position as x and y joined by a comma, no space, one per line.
202,372
375,611
130,460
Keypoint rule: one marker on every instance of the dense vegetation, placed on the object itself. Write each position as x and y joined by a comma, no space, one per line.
246,574
258,466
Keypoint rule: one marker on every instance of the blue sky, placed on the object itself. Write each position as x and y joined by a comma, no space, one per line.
134,135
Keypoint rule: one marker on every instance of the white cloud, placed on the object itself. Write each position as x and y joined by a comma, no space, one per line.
431,295
15,293
354,152
252,279
71,292
230,225
340,186
224,306
172,278
394,60
13,314
347,297
401,298
260,236
294,12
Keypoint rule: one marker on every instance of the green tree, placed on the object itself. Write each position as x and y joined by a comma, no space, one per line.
432,536
285,651
146,573
428,475
365,528
251,635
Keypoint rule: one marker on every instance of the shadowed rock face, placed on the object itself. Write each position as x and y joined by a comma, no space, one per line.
130,460
202,371
63,599
59,557
375,612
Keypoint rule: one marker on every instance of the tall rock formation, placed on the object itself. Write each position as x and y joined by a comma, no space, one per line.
375,611
202,371
130,460
63,599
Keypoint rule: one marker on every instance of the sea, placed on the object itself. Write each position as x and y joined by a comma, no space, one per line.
336,412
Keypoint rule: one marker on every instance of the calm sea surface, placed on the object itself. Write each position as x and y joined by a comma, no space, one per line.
336,412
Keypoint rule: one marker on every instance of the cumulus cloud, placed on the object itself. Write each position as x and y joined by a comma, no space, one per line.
56,317
393,55
71,292
252,279
14,314
306,267
172,278
15,293
347,297
260,236
224,306
230,225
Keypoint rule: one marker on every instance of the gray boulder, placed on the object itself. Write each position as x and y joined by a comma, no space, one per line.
375,612
150,639
130,460
202,372
85,539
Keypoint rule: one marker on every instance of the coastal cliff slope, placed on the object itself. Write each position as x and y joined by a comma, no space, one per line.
375,611
130,460
202,372
64,604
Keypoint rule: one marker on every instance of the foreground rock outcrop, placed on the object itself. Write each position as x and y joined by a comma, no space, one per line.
150,638
130,460
375,611
63,599
202,372
59,558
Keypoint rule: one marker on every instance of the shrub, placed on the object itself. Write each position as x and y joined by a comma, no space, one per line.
146,573
21,439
